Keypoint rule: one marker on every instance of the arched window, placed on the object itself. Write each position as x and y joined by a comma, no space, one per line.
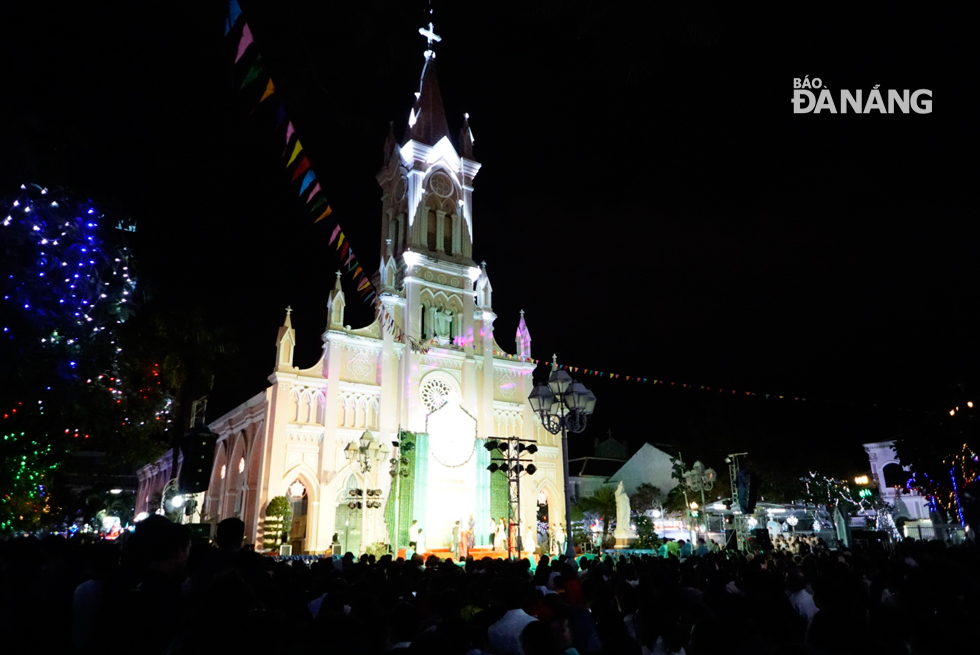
431,229
894,475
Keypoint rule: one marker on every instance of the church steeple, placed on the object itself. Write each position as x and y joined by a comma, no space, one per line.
427,182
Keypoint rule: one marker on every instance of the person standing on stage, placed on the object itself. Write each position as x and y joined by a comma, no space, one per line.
493,532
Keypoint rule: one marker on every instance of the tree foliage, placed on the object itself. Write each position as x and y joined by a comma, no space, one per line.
69,287
278,513
940,452
646,497
602,505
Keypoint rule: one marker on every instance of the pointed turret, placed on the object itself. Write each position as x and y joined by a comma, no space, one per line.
466,139
391,144
336,306
427,122
523,339
285,342
484,291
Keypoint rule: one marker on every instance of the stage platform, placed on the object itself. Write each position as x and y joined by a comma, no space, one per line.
475,553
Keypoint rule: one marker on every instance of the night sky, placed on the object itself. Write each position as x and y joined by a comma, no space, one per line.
647,195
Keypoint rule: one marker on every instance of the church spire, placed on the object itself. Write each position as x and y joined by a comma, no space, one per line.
523,339
427,122
466,138
336,305
285,342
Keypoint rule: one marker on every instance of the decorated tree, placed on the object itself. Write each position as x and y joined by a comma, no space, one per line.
940,451
278,514
67,288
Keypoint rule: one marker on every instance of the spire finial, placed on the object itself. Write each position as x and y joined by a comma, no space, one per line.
554,361
289,310
430,36
522,313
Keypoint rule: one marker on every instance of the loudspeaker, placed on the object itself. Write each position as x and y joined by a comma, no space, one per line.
760,536
195,470
747,485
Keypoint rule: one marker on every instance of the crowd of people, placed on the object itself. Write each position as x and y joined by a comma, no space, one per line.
156,592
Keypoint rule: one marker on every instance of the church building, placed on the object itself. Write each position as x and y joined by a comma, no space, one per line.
373,388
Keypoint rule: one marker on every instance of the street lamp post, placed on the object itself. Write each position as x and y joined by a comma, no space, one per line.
564,406
701,479
362,454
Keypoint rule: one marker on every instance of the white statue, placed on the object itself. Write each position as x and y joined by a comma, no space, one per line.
559,546
623,529
443,320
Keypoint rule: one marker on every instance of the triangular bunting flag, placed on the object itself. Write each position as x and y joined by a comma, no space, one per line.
313,192
269,90
296,150
333,236
244,42
234,12
323,216
301,167
307,181
289,131
253,73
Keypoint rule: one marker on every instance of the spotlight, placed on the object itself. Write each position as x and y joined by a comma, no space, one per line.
493,467
532,449
490,445
531,468
177,501
504,467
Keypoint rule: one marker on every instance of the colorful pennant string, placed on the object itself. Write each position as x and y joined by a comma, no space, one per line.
300,168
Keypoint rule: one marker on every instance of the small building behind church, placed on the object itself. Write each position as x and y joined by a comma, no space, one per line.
612,464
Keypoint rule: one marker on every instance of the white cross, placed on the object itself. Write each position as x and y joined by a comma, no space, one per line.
289,310
429,35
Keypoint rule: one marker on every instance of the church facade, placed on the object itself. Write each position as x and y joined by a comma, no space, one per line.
451,395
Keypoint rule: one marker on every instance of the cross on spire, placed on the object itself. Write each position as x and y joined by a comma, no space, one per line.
289,310
430,36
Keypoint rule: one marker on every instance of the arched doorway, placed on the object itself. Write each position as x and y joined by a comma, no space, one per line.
299,503
349,518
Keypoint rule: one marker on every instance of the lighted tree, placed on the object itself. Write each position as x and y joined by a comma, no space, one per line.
940,453
277,516
25,468
68,288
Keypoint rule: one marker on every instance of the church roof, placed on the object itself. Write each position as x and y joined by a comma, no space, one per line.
427,123
594,467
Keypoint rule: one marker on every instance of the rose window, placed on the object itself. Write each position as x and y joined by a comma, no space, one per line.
435,393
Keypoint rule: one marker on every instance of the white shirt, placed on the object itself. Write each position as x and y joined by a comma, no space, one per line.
504,636
802,602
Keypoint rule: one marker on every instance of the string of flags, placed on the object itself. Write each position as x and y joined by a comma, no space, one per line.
299,166
638,378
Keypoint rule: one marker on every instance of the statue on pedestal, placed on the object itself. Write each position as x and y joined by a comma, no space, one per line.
623,529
